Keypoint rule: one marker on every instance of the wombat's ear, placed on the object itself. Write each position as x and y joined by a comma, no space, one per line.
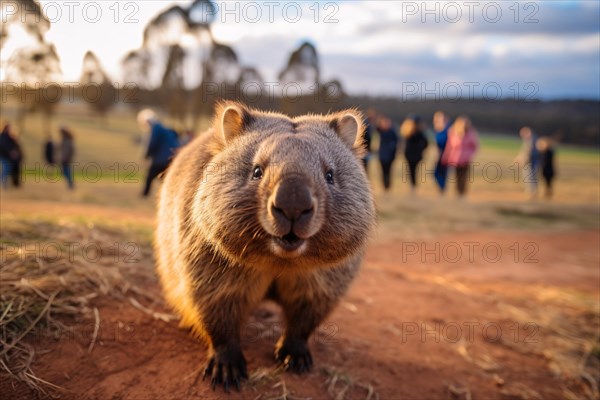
233,120
349,127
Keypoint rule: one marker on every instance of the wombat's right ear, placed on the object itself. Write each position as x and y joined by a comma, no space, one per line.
233,119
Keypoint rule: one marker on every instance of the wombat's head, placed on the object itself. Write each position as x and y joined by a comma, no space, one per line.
286,192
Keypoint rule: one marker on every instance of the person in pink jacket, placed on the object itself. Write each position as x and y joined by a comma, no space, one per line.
460,150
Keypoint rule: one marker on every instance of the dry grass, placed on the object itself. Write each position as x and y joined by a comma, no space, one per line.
40,288
568,337
456,392
339,384
285,393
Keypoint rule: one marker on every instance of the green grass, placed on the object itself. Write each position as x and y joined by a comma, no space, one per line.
511,145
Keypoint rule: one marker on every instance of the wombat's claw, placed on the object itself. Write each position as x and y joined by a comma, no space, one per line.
295,356
227,373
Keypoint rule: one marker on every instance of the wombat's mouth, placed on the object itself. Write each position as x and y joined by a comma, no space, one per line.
289,242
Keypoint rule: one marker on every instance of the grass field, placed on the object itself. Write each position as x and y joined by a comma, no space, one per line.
545,281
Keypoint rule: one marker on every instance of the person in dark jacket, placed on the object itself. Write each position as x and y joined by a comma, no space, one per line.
67,153
528,159
49,150
161,147
545,149
6,145
411,131
441,124
11,157
388,143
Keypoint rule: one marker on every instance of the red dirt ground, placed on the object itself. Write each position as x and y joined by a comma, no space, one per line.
411,327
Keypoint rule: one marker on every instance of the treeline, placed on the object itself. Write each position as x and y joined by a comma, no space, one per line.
568,121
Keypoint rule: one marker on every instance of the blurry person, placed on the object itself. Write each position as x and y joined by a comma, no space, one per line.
441,124
49,149
388,143
460,149
368,135
545,148
67,153
11,157
415,141
161,147
528,159
6,146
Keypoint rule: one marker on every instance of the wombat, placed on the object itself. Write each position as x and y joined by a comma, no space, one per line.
263,206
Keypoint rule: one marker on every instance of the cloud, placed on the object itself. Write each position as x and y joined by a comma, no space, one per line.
426,77
375,46
383,60
553,18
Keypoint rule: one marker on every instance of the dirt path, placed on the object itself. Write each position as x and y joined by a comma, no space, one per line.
419,323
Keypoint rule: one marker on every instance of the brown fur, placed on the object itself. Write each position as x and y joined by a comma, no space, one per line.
216,255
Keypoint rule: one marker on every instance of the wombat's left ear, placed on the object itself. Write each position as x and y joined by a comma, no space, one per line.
349,127
233,119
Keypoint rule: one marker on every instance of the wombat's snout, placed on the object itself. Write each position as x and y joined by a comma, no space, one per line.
292,206
293,215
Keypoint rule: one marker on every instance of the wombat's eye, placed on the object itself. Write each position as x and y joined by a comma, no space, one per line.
257,173
329,177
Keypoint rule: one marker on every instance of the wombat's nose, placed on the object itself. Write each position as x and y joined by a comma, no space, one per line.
292,201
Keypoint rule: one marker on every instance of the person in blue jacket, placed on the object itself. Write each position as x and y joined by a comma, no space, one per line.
161,148
67,152
11,156
388,144
441,124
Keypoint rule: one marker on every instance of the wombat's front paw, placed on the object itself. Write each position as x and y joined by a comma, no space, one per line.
294,355
227,367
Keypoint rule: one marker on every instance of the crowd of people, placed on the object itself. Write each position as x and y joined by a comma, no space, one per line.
457,144
456,141
162,145
11,156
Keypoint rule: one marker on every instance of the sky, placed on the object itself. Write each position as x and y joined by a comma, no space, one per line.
546,49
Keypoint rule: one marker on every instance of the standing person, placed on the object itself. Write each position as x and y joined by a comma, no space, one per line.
67,153
460,150
368,135
6,145
11,157
161,147
49,149
17,160
528,158
388,143
411,131
545,148
441,124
